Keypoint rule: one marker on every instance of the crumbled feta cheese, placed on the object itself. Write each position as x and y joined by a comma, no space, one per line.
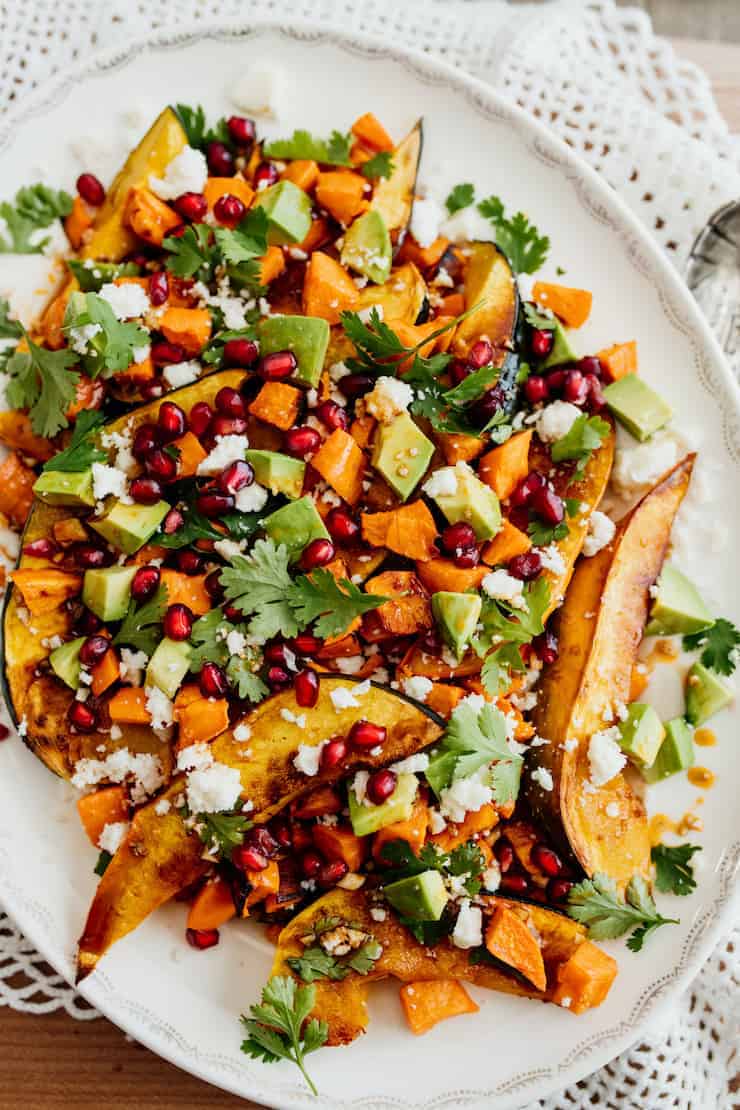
79,337
251,499
442,483
214,789
505,587
160,708
612,810
359,786
259,90
388,399
126,300
227,450
144,769
551,559
132,666
110,838
378,913
417,686
162,807
236,642
350,664
492,877
426,216
640,466
108,482
543,778
308,758
242,732
342,698
412,764
366,314
196,757
468,931
298,719
566,1002
437,823
227,549
555,420
178,374
116,732
467,795
605,755
601,530
186,173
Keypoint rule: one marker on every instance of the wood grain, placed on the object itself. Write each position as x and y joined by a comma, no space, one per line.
54,1061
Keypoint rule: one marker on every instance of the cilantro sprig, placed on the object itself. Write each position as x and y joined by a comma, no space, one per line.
278,1027
198,133
597,904
111,348
380,165
720,646
82,450
673,871
333,151
520,240
586,434
33,208
474,739
462,196
316,963
208,645
221,833
503,629
141,627
200,250
334,603
466,860
44,383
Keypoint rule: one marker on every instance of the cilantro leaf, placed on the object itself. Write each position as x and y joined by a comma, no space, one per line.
315,963
196,526
242,248
720,644
141,627
258,584
208,640
585,435
542,534
91,279
240,672
333,151
462,196
34,207
112,347
43,382
520,241
475,739
498,667
222,832
9,327
81,451
537,318
472,387
193,122
335,604
275,1028
673,871
464,860
502,624
192,254
380,165
597,904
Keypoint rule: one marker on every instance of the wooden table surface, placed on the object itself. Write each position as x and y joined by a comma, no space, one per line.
56,1061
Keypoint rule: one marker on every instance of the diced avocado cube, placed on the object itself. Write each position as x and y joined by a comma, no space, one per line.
296,525
638,407
288,211
457,616
306,336
128,527
59,487
168,666
676,753
107,591
706,694
678,608
367,247
419,897
402,454
561,348
642,734
277,472
65,662
368,818
440,770
473,501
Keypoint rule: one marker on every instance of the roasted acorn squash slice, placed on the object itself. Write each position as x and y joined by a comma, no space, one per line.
394,195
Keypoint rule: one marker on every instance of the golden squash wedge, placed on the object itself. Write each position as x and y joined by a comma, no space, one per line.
400,298
599,628
394,195
491,291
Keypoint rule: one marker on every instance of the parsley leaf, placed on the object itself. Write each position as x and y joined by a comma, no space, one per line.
720,645
333,151
472,740
597,904
42,382
192,254
222,832
585,435
141,627
380,165
275,1028
112,347
673,871
336,604
462,196
81,451
35,207
520,241
542,534
258,584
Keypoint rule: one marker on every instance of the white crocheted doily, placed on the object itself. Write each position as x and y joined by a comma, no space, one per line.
648,122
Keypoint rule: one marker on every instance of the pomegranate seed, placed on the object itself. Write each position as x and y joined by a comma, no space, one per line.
90,189
199,418
458,537
276,366
525,566
306,686
173,522
365,735
93,650
262,840
202,938
178,231
220,160
231,612
306,644
240,352
41,549
178,622
163,353
301,441
161,465
237,475
82,717
480,354
146,438
317,554
547,860
275,653
381,785
333,415
191,206
536,895
575,388
227,425
514,884
87,623
265,174
152,390
242,130
213,586
145,583
331,873
519,517
333,753
430,641
466,560
4,732
548,505
89,556
277,678
248,859
282,833
590,364
558,890
504,854
341,526
489,404
541,342
189,562
159,288
355,385
535,389
171,422
596,399
214,504
555,381
546,647
145,491
230,402
459,371
311,864
229,210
